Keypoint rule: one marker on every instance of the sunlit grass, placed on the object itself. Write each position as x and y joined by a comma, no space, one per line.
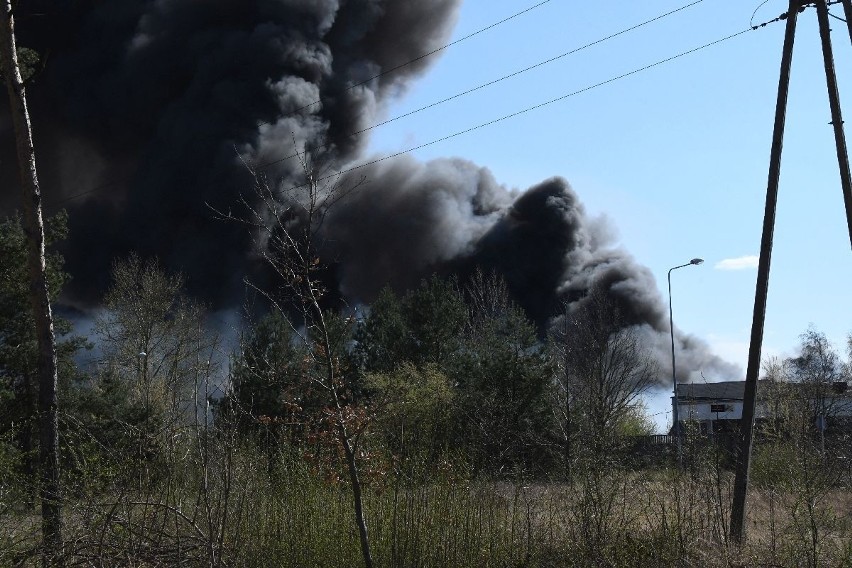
237,505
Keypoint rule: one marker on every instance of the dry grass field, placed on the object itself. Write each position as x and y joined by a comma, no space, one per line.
291,518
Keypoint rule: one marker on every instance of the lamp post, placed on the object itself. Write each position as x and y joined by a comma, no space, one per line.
675,417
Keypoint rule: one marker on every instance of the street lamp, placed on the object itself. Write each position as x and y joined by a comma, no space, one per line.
676,419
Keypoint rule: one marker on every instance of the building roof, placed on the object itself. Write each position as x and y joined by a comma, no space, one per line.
734,390
725,390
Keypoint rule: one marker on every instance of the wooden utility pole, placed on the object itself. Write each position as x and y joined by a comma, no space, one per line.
743,458
834,103
743,455
49,490
847,11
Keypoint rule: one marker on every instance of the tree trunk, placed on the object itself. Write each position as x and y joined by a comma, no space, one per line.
354,480
568,426
28,432
51,506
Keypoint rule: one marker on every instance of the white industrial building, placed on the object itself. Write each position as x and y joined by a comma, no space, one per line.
718,407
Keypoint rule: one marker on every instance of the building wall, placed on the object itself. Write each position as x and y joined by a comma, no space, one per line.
701,410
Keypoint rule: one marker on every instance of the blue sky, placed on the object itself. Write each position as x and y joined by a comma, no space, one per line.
676,157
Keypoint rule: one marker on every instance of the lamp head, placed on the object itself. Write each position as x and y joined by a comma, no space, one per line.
696,261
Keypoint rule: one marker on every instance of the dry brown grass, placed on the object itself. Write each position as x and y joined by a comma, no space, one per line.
604,517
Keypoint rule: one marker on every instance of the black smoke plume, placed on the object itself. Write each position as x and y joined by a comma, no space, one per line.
147,111
149,102
410,219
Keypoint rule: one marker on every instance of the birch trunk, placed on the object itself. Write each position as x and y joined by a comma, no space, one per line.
51,505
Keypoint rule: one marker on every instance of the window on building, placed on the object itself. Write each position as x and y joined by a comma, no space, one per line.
718,408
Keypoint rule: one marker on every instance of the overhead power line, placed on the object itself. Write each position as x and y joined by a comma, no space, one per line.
430,53
532,108
530,68
497,120
753,14
108,184
785,15
500,79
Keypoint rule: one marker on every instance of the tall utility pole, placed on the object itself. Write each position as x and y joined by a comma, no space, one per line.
836,116
743,457
847,11
49,490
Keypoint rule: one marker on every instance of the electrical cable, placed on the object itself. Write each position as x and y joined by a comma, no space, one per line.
433,52
529,68
489,123
753,14
101,187
498,80
528,109
105,185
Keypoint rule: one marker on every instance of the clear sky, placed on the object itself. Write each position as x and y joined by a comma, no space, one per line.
676,156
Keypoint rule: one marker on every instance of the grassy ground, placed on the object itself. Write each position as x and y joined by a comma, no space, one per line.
240,507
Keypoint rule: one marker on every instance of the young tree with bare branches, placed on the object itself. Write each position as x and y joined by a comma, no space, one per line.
603,368
288,229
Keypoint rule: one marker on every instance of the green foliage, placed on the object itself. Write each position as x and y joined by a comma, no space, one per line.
104,428
268,366
276,380
18,344
413,408
636,422
424,326
436,314
603,368
818,363
155,359
803,483
498,369
503,374
152,336
382,339
815,372
217,497
10,483
28,63
17,328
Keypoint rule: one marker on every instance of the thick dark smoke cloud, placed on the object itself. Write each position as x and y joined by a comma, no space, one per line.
157,104
411,219
154,98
